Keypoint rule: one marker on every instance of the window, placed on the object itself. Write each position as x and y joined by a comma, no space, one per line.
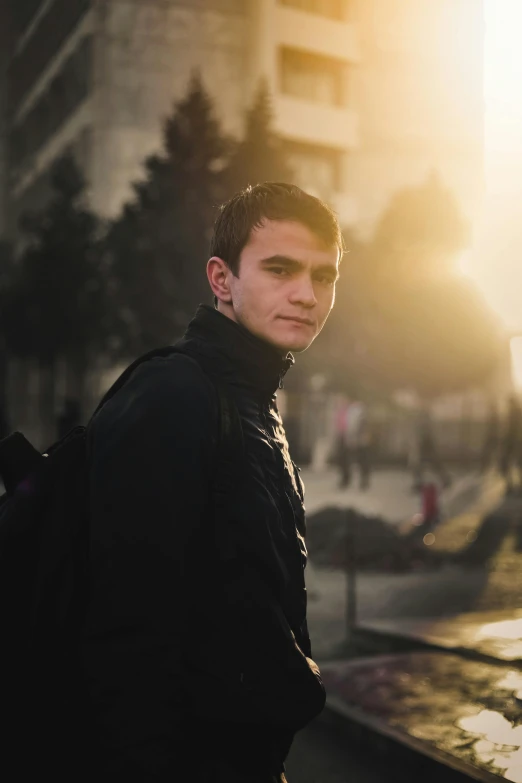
312,77
22,11
317,169
27,67
333,9
62,97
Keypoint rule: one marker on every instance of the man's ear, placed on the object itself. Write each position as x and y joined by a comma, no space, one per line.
219,274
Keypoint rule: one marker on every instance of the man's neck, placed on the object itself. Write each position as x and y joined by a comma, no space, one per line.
229,312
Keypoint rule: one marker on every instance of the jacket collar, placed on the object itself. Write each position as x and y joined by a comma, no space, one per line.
234,354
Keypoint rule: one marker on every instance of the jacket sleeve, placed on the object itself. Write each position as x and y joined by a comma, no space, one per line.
150,451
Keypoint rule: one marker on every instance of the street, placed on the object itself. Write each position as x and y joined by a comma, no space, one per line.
320,754
453,588
389,494
484,576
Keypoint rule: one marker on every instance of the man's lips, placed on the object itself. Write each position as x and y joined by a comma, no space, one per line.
295,319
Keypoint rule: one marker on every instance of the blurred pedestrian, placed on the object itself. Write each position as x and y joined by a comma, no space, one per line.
341,421
511,446
427,456
69,417
365,448
430,505
353,442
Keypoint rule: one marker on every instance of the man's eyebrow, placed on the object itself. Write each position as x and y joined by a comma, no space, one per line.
282,261
294,263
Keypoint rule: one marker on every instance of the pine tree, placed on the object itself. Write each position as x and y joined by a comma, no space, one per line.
159,245
403,317
260,155
60,277
427,328
419,236
58,307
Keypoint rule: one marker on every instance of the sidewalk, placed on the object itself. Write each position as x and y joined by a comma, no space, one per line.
494,629
390,494
442,684
453,588
493,637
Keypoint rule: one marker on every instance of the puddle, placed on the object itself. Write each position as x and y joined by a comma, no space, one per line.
505,629
466,708
500,743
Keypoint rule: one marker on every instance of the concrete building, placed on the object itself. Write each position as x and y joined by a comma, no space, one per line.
368,95
4,59
99,76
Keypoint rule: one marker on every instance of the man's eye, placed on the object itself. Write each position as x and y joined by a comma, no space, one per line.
326,279
278,270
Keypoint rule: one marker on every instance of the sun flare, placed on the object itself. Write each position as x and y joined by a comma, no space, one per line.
497,256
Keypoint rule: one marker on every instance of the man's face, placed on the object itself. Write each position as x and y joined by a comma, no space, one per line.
286,285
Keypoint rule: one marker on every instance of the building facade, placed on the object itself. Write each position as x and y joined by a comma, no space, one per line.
369,96
99,76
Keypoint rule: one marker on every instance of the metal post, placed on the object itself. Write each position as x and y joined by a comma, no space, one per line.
351,578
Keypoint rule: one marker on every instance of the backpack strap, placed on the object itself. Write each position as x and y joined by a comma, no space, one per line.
19,458
126,374
230,432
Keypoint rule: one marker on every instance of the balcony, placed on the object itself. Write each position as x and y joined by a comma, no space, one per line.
313,123
314,33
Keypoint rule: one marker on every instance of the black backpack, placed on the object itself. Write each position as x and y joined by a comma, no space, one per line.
43,566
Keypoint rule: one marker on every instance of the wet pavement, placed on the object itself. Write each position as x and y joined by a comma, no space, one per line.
496,635
460,712
458,702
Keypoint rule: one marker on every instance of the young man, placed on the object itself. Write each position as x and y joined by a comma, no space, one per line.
196,649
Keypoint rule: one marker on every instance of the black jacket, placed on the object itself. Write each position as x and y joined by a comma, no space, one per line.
188,642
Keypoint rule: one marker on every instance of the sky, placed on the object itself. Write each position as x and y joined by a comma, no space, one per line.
496,261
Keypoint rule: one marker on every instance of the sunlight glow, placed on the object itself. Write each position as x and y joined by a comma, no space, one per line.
497,258
516,360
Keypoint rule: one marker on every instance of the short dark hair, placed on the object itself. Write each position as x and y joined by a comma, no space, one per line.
270,201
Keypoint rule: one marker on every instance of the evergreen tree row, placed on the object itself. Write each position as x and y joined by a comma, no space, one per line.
82,288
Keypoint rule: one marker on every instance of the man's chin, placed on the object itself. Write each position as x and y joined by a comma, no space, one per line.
298,339
297,346
294,344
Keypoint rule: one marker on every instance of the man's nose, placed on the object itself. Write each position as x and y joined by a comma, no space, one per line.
304,293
